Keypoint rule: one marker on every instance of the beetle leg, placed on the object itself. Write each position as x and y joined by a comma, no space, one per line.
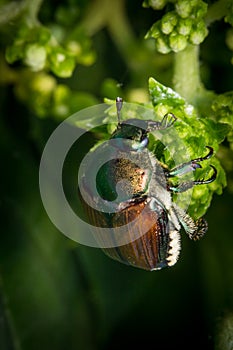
188,167
192,165
195,229
184,186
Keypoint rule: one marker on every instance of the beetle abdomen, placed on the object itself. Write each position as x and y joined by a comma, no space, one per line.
152,250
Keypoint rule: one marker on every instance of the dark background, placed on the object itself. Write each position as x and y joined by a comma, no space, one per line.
56,294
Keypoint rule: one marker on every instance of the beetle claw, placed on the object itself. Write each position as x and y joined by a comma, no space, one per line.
192,165
207,181
168,120
184,186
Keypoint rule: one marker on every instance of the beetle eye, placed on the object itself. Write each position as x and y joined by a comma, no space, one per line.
144,142
138,146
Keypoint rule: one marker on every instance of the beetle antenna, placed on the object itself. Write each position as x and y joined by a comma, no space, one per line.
119,104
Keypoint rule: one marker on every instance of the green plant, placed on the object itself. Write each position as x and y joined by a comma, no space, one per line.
57,58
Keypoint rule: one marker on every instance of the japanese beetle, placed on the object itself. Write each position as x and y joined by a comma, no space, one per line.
139,188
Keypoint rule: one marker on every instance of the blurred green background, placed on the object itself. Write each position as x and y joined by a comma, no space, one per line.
54,293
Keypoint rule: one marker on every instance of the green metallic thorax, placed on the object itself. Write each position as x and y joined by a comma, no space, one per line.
122,178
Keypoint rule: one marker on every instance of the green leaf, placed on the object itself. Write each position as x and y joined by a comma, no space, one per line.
223,113
195,133
223,108
218,131
162,94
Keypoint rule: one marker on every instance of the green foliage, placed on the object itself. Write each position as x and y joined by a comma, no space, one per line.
182,26
48,97
223,112
56,48
38,50
210,133
57,58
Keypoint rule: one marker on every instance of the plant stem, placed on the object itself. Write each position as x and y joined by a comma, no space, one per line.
111,15
186,78
33,7
120,29
138,57
216,11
